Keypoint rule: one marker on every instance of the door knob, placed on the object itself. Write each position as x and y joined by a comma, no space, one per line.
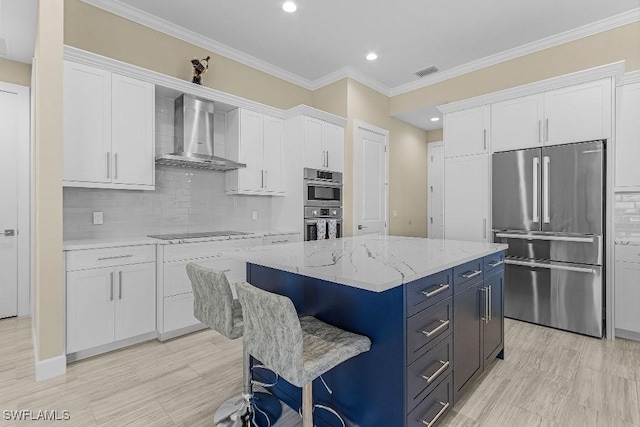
360,227
9,233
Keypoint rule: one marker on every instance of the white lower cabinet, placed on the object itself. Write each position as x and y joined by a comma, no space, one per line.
627,291
109,304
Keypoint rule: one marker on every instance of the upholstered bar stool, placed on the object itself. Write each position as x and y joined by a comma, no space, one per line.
214,305
298,349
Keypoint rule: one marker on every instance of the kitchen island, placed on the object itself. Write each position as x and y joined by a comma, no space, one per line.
419,301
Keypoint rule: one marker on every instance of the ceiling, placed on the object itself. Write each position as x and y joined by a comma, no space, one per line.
18,29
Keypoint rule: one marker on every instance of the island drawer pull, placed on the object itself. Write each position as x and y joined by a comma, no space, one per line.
496,263
114,257
445,406
437,373
471,274
441,287
443,324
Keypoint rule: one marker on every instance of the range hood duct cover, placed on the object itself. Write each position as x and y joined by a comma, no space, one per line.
194,138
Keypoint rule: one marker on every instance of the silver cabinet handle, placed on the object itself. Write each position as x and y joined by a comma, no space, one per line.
534,202
279,241
484,231
360,227
441,288
120,284
485,317
484,139
108,164
266,179
437,373
496,263
262,179
546,137
546,162
543,237
111,297
550,266
443,324
114,257
327,158
471,274
435,419
115,166
9,233
539,131
490,309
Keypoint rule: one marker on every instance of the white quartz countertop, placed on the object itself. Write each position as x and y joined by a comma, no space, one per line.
373,263
101,243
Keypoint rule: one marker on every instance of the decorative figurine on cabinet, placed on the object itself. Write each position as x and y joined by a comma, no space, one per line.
200,67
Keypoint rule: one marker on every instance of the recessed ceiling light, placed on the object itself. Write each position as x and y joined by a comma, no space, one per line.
372,56
289,6
435,119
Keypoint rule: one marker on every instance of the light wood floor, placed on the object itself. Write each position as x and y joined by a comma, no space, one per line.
549,378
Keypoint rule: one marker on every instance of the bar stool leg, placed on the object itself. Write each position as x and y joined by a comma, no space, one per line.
307,405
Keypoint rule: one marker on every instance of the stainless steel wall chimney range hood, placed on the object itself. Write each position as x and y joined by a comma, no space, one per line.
194,138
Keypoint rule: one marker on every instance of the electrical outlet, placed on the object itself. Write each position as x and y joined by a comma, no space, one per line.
98,218
254,215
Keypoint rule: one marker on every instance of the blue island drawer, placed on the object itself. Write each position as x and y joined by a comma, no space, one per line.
465,275
427,328
427,291
425,373
432,410
493,264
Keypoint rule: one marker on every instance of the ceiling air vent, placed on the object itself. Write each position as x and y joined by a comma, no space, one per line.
426,71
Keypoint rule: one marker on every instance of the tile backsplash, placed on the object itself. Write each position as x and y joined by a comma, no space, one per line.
627,215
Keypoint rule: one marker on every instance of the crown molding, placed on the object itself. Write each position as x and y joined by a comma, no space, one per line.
148,20
629,78
352,73
529,48
305,110
614,70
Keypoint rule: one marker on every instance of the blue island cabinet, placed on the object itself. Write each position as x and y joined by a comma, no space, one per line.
408,378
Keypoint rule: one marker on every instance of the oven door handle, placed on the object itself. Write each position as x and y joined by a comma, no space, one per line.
332,184
550,266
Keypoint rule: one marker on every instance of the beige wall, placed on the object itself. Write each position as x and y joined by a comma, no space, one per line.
92,29
332,98
49,289
15,72
622,43
434,135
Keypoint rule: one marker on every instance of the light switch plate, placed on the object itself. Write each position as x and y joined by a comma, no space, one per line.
98,218
254,215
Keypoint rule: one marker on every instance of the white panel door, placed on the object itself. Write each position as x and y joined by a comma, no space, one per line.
273,143
627,147
578,113
467,132
627,296
333,145
517,123
9,204
135,297
314,156
370,189
90,308
466,198
251,151
132,132
86,124
435,190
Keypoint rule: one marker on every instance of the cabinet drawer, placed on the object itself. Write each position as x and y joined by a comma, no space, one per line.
426,372
628,253
425,292
178,312
493,264
432,410
426,328
206,249
464,275
281,239
110,257
176,281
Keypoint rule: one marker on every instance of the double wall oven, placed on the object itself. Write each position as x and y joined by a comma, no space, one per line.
322,201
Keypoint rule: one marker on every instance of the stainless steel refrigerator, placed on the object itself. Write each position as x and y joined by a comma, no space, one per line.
548,206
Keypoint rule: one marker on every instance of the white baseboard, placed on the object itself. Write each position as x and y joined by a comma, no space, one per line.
630,335
47,368
164,336
83,354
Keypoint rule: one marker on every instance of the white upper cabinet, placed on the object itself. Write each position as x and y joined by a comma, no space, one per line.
258,141
466,132
627,146
517,123
108,129
323,145
578,113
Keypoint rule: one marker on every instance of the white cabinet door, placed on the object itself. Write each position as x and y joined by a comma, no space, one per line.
333,146
90,308
86,124
627,294
135,297
132,134
273,132
627,146
466,198
251,177
467,132
314,156
517,123
578,113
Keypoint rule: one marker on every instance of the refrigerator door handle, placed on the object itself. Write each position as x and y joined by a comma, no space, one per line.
541,237
546,187
536,167
550,266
